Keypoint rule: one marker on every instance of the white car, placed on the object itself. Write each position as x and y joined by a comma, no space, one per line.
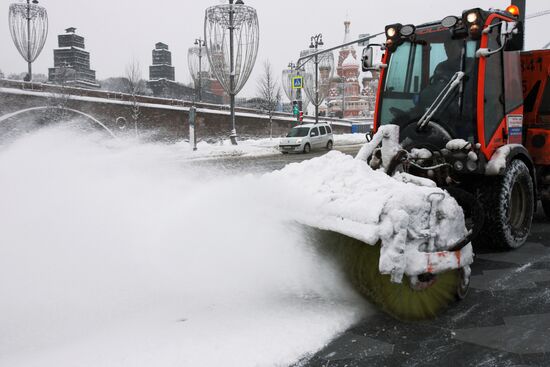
304,138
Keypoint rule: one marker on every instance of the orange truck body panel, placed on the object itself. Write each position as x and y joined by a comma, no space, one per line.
536,115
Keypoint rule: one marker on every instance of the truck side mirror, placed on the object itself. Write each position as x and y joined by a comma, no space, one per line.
367,58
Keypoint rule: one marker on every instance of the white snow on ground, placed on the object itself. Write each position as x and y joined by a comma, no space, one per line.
252,147
349,139
117,254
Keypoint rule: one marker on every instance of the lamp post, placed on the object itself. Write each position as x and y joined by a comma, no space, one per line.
29,30
238,23
316,41
343,94
200,44
233,135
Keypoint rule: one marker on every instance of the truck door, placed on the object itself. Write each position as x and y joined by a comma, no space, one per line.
491,96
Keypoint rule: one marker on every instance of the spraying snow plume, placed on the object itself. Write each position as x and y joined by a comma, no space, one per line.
119,254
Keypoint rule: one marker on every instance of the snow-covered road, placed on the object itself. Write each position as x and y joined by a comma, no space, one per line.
112,255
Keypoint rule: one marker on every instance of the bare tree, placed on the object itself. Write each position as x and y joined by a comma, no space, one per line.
136,86
269,93
58,100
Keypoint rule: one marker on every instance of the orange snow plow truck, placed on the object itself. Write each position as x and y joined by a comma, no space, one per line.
473,110
460,105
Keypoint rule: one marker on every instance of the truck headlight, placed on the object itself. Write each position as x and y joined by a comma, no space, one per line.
471,17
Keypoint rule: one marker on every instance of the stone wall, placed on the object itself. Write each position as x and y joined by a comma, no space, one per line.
164,120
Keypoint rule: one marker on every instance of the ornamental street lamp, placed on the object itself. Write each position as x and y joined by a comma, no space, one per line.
29,30
231,33
323,65
194,58
316,41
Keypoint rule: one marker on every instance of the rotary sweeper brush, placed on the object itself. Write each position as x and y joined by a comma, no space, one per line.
461,127
401,240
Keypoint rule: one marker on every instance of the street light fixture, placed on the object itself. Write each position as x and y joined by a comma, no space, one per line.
29,30
194,58
323,63
231,29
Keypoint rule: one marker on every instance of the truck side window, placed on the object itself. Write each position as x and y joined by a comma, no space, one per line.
494,93
323,130
329,130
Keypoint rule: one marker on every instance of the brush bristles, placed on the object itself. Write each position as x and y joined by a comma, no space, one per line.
360,262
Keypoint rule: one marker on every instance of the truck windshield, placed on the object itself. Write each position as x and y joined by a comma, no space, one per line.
298,132
417,73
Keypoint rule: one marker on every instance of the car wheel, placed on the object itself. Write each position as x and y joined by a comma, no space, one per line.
307,148
329,145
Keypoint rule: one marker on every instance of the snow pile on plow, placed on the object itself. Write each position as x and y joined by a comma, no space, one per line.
346,196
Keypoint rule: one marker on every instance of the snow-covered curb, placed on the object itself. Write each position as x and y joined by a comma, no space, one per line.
253,148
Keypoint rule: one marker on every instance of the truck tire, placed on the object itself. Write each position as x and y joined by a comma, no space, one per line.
509,206
307,148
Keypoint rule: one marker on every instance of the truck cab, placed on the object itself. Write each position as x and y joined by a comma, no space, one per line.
453,79
472,111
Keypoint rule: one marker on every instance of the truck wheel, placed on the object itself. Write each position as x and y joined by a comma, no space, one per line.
509,206
307,148
329,145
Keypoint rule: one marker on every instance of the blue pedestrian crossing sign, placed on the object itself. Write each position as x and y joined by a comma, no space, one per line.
298,82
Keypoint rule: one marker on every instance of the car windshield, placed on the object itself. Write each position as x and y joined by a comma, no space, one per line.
419,70
298,132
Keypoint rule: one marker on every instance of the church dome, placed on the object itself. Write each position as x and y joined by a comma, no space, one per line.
350,61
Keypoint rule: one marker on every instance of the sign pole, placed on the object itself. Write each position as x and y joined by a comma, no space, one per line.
192,133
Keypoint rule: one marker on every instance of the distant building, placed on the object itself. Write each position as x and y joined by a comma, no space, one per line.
72,62
345,98
162,64
162,75
162,80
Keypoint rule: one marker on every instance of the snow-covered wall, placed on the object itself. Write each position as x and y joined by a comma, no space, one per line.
164,120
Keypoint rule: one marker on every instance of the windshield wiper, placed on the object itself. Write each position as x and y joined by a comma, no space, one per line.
445,93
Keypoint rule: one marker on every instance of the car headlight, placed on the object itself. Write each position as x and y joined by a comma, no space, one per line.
299,141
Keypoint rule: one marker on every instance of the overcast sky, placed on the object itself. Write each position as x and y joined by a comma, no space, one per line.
117,31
